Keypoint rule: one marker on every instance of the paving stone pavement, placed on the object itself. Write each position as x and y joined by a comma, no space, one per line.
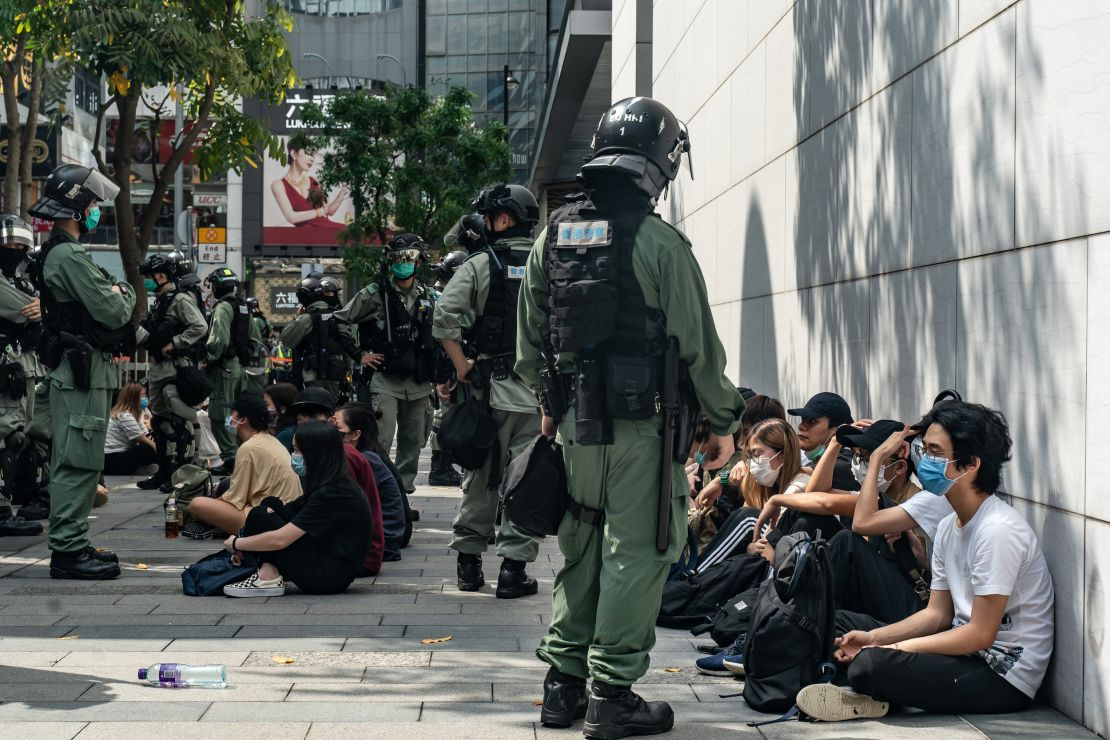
69,652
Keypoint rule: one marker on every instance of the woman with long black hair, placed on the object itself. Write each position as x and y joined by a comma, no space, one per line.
317,542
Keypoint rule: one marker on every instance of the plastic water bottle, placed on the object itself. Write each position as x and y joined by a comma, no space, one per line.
180,676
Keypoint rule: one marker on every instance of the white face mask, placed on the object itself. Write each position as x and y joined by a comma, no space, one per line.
859,471
760,469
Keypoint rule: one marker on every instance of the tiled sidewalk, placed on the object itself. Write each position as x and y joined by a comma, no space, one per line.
69,652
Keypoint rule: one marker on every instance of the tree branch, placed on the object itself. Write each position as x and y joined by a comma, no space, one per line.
100,111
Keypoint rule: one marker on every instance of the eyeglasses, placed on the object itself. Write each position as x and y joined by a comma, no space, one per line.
918,453
750,458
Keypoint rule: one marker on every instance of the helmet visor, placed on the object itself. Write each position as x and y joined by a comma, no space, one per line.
404,255
101,186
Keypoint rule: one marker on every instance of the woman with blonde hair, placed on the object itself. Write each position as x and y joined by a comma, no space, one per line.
128,445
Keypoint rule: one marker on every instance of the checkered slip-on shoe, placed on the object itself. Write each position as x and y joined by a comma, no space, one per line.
255,586
195,530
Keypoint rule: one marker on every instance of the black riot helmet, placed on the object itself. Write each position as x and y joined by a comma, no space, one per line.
446,268
317,287
222,281
173,264
14,230
407,248
641,139
468,233
516,199
330,288
71,189
253,307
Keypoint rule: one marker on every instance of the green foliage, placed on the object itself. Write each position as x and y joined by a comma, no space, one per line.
411,163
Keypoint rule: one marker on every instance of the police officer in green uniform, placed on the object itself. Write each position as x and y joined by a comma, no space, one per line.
260,358
172,334
231,335
608,283
85,319
319,359
481,301
443,473
393,316
20,369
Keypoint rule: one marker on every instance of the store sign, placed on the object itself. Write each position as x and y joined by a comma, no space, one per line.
44,151
212,254
210,200
283,299
211,235
295,102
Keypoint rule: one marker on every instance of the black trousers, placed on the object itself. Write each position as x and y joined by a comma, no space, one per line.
130,460
868,582
793,521
305,563
941,684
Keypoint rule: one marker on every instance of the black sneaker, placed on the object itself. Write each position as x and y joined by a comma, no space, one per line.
81,566
617,711
155,481
17,526
469,571
195,530
564,699
513,582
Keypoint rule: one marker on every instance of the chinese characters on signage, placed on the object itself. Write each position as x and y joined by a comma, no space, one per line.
283,299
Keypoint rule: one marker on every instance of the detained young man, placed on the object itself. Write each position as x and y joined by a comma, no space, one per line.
983,643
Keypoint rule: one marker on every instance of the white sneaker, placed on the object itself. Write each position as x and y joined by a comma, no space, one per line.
735,667
255,586
830,703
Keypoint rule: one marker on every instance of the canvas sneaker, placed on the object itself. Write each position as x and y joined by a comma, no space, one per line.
714,665
830,703
255,586
735,665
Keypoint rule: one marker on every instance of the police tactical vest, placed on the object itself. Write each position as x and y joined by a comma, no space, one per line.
321,351
25,335
161,329
595,300
408,345
495,330
239,345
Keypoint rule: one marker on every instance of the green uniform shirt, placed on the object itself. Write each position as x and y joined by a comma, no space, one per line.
185,311
72,276
219,336
462,302
672,282
367,306
297,330
12,301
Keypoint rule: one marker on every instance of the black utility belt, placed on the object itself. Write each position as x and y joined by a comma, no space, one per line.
498,368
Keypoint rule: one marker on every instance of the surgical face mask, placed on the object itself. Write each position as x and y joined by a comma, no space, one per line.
699,457
230,423
143,403
91,220
150,285
931,472
297,460
403,270
859,471
760,469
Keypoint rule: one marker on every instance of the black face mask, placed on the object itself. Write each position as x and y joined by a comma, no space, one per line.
10,260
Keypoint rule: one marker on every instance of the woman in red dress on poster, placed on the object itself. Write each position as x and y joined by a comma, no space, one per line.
298,194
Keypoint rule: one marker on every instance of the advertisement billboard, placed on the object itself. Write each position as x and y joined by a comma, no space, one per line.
296,210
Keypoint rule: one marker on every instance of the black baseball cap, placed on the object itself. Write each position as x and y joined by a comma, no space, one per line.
747,393
313,399
869,438
825,404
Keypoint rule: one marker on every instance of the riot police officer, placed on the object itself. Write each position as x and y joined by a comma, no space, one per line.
319,359
255,373
481,301
172,335
231,335
20,369
443,473
393,316
611,286
86,320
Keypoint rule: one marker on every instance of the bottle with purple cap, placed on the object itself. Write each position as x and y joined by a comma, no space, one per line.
180,676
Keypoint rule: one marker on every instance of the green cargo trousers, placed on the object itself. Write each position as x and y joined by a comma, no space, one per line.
80,423
227,383
478,512
607,595
411,422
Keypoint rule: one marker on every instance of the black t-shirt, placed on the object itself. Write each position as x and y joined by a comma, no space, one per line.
338,517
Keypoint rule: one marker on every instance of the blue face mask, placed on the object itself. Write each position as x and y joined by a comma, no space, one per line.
297,460
150,285
229,423
403,270
92,219
699,458
143,403
931,472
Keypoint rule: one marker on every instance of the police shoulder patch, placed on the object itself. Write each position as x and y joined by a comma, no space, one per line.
579,234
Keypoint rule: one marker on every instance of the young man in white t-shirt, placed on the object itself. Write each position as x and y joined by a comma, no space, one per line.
983,643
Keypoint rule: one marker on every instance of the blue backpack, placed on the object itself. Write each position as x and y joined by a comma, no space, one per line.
209,575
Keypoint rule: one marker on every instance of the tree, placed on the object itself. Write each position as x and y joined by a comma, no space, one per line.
218,54
37,66
411,163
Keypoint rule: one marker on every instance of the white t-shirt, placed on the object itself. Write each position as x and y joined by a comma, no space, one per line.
123,430
798,484
997,553
928,511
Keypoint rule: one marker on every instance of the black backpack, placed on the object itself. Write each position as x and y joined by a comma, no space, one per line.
468,433
790,639
696,598
731,620
534,489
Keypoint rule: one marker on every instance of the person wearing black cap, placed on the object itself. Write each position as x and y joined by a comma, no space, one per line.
819,419
262,469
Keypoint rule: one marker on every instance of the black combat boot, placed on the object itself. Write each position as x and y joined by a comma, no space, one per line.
564,699
104,556
224,470
470,572
37,508
513,582
617,711
155,481
442,473
81,566
17,526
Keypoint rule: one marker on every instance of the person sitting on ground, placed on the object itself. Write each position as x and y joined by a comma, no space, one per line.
317,404
128,445
317,542
758,408
358,423
818,421
983,643
279,397
262,470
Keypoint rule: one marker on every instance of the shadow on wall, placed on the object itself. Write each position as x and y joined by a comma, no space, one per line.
904,239
759,365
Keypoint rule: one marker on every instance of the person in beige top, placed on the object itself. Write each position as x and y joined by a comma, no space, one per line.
262,468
